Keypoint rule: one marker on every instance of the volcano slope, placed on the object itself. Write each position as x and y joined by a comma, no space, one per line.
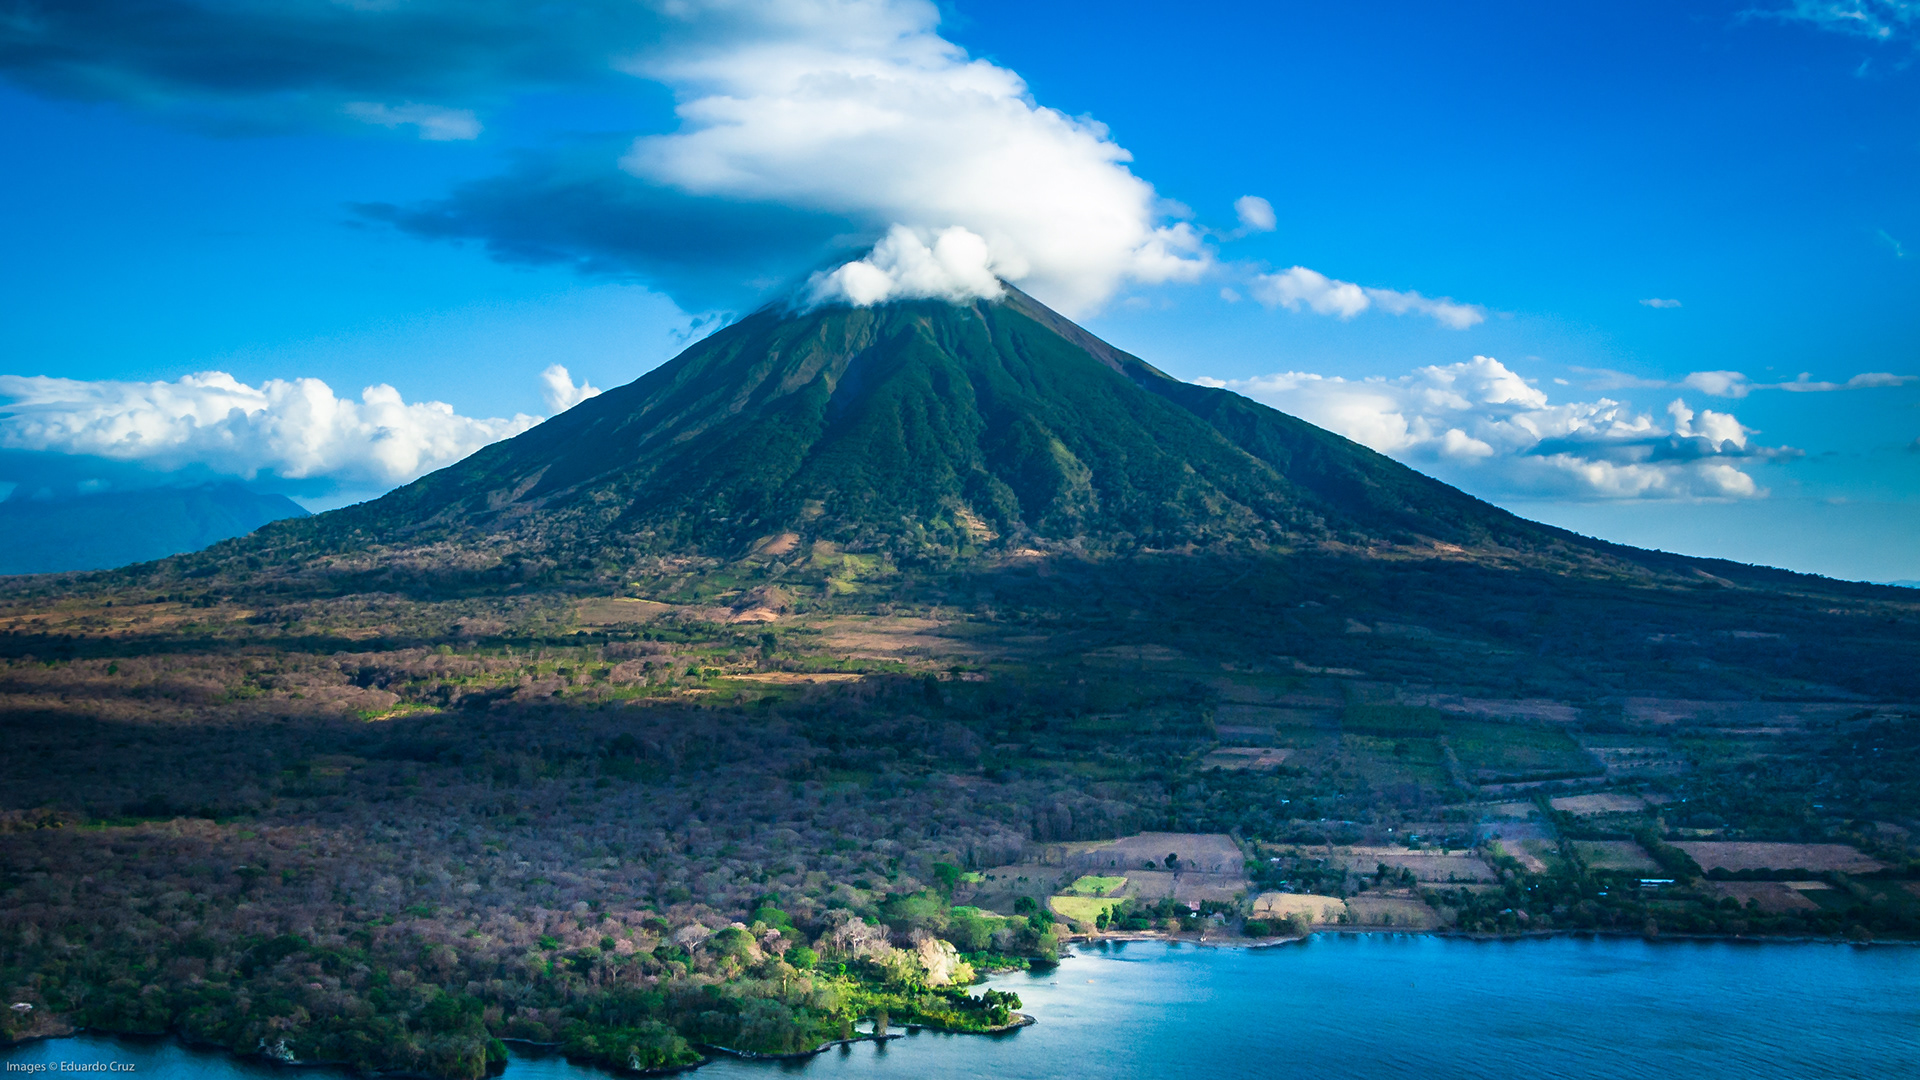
687,718
919,431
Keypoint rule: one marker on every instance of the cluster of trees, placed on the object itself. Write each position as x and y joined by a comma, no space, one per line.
436,993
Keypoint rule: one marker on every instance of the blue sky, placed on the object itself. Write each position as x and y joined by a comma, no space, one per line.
451,199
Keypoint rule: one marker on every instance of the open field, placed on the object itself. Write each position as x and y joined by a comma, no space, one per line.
1084,910
1188,852
1427,866
1754,855
1535,709
1537,854
1399,908
1623,856
1272,718
1497,753
1003,887
1636,759
1603,803
1205,867
1245,757
619,610
1756,716
1184,887
1321,909
894,639
795,678
1771,897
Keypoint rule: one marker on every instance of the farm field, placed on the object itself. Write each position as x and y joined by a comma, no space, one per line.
1624,856
1094,885
1083,910
1771,897
1321,909
1758,855
1602,803
1427,866
1245,757
1207,853
1493,753
1400,908
1184,887
1537,854
1542,710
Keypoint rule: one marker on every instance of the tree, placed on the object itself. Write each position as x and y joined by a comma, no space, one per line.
946,876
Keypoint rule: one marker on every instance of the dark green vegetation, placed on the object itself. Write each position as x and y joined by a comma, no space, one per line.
90,532
685,720
916,431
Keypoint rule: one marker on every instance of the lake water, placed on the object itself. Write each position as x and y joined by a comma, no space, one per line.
1358,1007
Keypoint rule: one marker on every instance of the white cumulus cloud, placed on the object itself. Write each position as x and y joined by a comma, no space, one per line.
1728,384
957,266
860,108
556,385
1482,426
1299,287
434,123
1255,213
294,429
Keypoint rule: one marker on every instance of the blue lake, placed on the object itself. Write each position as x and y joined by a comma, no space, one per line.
1359,1007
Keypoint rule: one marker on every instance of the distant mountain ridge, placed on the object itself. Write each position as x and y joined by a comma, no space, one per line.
923,428
115,528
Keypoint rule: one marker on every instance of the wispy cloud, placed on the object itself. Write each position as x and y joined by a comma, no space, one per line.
434,123
1871,380
1480,425
1659,303
1881,20
1899,249
1299,288
1735,384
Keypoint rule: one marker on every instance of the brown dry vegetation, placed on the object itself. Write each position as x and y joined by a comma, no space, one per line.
426,778
1751,855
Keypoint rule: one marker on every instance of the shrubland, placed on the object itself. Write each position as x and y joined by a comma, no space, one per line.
393,816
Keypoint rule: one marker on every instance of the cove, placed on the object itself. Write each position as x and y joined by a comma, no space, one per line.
1354,1007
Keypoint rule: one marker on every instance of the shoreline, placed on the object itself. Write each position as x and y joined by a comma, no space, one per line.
709,1051
1080,943
1241,942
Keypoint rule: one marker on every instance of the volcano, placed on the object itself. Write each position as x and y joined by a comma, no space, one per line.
926,428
